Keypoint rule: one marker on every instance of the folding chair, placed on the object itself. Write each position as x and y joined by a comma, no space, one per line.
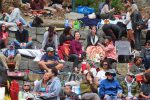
123,49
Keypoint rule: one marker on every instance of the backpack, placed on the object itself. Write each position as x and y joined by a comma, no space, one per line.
101,5
37,21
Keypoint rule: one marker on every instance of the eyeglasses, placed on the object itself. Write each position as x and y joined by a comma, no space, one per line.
109,74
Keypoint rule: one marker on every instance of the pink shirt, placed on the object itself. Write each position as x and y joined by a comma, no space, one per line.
4,34
111,51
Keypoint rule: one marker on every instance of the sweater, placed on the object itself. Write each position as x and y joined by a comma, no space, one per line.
75,47
22,36
108,87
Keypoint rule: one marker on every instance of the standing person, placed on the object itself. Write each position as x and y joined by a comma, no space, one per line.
10,55
89,88
137,23
145,88
130,87
75,49
3,36
148,32
49,87
110,88
50,39
130,33
22,37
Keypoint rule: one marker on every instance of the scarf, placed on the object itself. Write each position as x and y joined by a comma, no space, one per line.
94,39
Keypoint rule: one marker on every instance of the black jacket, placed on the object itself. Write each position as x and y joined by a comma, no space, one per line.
23,36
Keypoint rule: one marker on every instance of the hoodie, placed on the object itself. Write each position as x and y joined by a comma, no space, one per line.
53,89
130,89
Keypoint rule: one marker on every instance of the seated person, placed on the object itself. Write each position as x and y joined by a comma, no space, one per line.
15,15
130,87
49,60
37,7
50,39
89,88
69,94
137,66
9,56
145,54
93,49
22,38
3,36
145,88
26,92
110,51
64,41
110,88
49,87
5,16
101,74
75,49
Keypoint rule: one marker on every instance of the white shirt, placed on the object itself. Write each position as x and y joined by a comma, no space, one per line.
148,24
101,75
15,15
128,19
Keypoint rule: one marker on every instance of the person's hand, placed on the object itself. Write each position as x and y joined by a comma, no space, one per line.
79,56
41,94
90,79
113,9
119,95
24,44
21,44
134,98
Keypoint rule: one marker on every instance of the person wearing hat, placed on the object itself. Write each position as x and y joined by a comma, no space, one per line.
49,60
10,55
25,94
145,54
110,88
110,50
130,87
22,38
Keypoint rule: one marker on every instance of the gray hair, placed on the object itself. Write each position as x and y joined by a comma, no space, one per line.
134,7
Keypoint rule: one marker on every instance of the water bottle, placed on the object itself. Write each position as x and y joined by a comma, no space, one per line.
66,23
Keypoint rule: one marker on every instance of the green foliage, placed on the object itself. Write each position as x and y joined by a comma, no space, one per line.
117,4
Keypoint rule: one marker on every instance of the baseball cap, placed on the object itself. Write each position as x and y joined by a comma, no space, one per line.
50,49
19,23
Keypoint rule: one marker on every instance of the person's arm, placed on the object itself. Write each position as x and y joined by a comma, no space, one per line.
44,40
93,87
137,90
27,35
55,93
37,87
17,35
61,39
119,90
144,96
102,90
56,42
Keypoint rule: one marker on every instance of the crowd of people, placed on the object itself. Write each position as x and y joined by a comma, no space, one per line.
100,82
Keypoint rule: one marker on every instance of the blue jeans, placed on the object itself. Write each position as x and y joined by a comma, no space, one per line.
137,36
17,45
75,59
107,97
23,21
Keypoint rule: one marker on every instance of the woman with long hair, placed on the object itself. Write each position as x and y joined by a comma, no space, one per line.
64,41
3,36
93,50
50,39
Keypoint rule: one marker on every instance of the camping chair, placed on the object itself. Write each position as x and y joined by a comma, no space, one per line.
123,49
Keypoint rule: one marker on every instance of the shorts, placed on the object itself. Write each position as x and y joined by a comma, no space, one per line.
51,65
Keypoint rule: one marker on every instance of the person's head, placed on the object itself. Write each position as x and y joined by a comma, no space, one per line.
107,40
134,7
104,64
46,76
107,1
51,32
147,44
11,46
129,77
146,77
11,8
3,28
19,24
67,31
50,51
77,35
110,74
93,30
138,61
53,72
89,75
68,89
26,86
